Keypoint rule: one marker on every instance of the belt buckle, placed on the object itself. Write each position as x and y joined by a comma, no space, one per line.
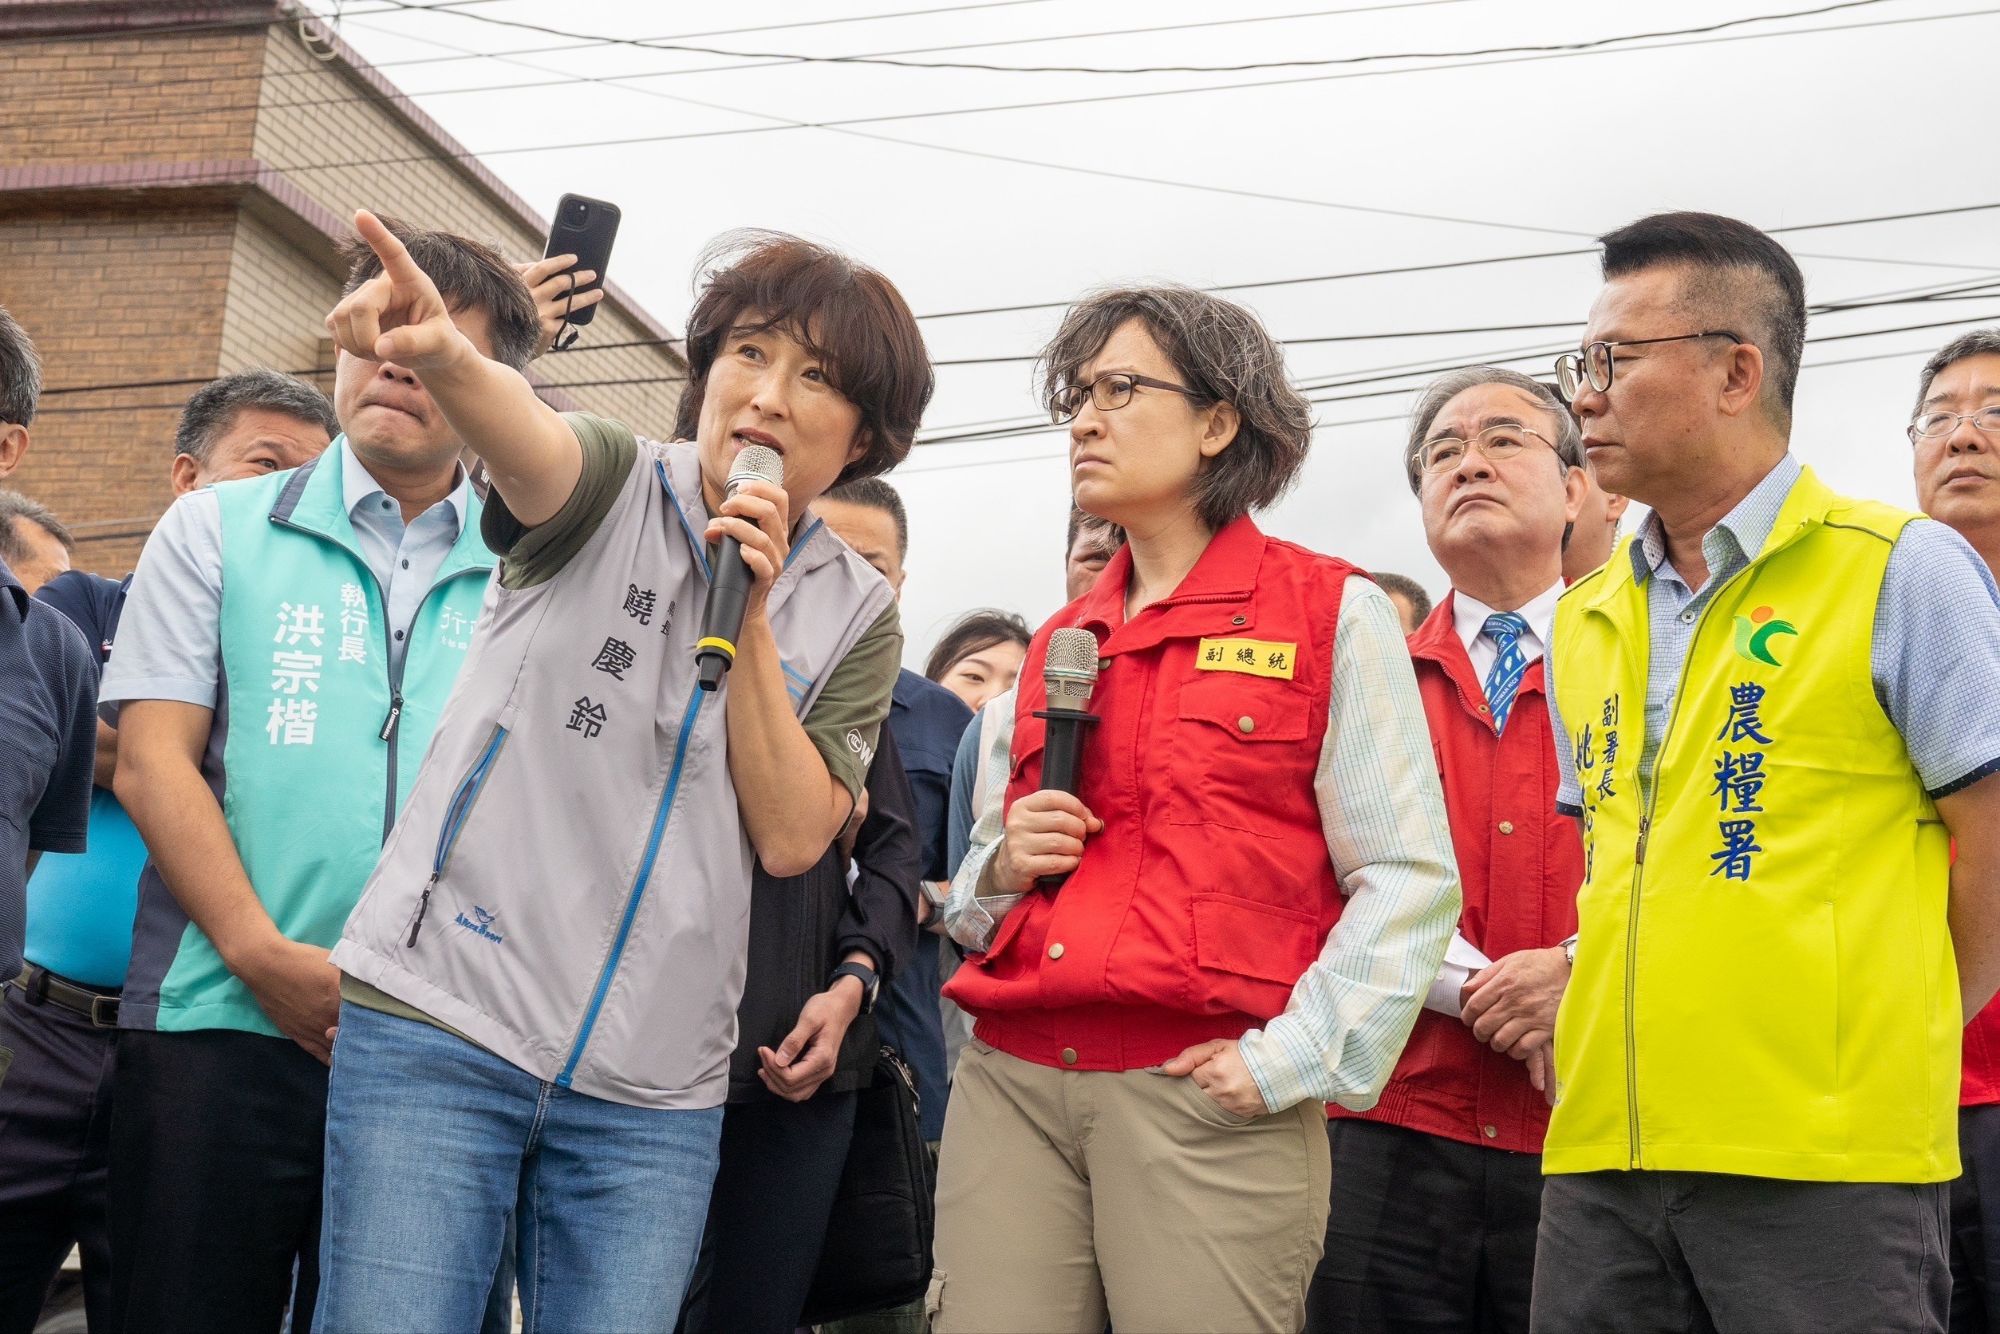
104,1011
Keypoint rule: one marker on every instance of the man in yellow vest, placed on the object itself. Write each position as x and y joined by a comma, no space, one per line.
1775,707
1955,452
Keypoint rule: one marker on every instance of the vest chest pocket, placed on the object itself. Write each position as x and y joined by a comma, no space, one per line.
1236,751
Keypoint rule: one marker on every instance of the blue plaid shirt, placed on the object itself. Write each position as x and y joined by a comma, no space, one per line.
1935,650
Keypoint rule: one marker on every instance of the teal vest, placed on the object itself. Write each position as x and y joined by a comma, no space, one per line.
323,738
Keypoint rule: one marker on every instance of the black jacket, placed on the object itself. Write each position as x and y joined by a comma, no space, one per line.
802,926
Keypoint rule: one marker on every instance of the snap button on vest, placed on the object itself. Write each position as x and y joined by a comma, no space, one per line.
1246,724
1056,950
1506,826
1069,1056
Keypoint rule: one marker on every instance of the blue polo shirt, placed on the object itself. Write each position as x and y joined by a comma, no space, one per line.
48,745
926,720
80,907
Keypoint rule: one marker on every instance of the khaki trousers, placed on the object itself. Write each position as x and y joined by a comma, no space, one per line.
1066,1198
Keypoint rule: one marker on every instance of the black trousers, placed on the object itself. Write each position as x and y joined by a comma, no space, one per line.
1425,1234
55,1151
1975,1224
1709,1253
767,1216
217,1145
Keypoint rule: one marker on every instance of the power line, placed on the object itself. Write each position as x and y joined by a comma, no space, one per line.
1083,101
1979,291
124,84
1591,44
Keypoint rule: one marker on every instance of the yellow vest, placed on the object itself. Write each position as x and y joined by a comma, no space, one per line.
1764,980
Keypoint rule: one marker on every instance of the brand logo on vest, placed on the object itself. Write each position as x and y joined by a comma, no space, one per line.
1755,632
479,924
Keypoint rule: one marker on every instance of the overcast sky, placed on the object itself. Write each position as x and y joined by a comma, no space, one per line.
1313,170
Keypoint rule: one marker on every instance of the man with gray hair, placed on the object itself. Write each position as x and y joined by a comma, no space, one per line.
1437,1190
61,1021
33,541
1955,434
20,391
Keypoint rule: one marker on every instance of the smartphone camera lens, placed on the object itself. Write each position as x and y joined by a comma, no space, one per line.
577,212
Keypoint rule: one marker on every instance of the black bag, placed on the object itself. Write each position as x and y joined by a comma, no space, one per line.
877,1253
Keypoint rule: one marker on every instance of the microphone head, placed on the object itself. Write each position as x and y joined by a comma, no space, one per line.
1069,671
757,463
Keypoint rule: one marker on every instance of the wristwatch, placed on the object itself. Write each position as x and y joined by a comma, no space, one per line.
1569,951
870,982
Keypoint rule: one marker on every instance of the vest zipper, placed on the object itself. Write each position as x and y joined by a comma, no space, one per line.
456,812
638,891
390,728
1639,863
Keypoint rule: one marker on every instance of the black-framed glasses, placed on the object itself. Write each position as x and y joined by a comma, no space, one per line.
1502,440
1595,364
1932,425
1110,391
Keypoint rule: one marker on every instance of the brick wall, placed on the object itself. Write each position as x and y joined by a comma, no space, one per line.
140,280
113,300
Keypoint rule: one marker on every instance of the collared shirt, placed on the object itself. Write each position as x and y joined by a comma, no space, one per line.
1388,846
1468,618
48,747
170,639
1935,648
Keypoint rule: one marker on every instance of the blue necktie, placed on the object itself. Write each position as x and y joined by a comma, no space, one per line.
1503,678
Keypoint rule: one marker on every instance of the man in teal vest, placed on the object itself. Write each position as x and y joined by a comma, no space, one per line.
285,651
60,1015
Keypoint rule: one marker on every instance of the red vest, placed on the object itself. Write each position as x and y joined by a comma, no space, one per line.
1520,864
1209,890
1979,1079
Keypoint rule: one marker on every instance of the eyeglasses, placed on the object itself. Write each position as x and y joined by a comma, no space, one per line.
1502,440
1595,363
1932,425
1109,392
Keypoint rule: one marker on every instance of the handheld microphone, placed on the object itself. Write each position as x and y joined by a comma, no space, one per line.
729,589
1069,676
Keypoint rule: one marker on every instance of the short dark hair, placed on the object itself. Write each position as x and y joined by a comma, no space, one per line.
469,276
1077,520
211,410
973,632
846,313
1768,310
20,373
877,494
1225,355
1412,591
1568,443
15,506
1978,343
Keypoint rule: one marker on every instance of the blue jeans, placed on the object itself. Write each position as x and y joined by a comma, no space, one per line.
433,1143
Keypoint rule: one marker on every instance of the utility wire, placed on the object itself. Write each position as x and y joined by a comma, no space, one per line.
1590,44
1085,101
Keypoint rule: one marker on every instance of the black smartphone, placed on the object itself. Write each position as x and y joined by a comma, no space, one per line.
584,227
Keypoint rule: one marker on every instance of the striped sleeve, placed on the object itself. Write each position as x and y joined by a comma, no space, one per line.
968,918
1383,815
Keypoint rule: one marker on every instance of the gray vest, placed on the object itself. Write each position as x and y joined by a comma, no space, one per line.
569,884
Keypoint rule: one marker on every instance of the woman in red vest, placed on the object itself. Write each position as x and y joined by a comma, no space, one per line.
1135,1131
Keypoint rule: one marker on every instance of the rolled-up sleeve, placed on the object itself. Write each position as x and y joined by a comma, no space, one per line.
170,636
1383,815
